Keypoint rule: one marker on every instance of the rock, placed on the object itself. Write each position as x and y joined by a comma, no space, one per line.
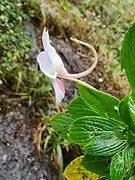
18,154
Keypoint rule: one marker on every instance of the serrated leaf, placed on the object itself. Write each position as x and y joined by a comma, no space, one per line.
122,164
60,124
128,56
83,129
75,171
96,164
106,144
78,108
103,104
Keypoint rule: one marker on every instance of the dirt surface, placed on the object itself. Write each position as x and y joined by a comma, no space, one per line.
19,159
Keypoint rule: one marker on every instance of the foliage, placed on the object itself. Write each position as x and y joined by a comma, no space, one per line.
99,20
104,126
16,65
14,42
75,170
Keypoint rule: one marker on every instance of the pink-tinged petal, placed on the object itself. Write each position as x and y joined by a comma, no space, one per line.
59,90
61,85
46,65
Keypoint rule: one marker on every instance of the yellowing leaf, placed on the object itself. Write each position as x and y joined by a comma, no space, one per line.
75,171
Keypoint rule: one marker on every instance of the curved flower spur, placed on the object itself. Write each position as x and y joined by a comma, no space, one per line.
52,66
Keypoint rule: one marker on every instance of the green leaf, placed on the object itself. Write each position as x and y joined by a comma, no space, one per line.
128,56
83,129
60,124
103,104
127,111
122,164
124,110
106,144
75,170
78,108
96,164
132,108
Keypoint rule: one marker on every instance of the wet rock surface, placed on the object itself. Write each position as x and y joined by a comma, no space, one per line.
19,159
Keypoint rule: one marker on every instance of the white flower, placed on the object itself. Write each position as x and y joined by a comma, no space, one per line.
52,66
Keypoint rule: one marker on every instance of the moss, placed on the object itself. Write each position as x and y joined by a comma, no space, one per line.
18,74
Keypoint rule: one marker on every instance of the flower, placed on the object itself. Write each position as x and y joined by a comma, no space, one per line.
52,66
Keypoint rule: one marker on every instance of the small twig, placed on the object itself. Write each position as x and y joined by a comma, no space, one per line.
18,82
40,137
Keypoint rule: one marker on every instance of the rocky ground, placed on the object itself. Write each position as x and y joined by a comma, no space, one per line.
19,158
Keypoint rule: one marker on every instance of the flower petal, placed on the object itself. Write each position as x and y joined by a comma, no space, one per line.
45,39
61,85
57,62
46,65
52,54
59,90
